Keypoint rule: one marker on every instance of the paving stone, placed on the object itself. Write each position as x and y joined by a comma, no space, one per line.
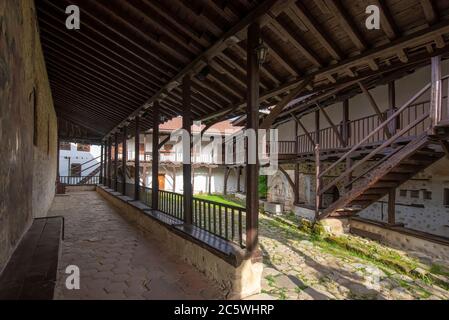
116,260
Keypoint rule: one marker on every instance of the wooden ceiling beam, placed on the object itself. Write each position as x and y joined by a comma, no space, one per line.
293,39
107,61
82,66
274,113
346,23
221,44
107,95
106,34
154,75
265,69
387,22
163,45
298,13
110,25
281,57
429,11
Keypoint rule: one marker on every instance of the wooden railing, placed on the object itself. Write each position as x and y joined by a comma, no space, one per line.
171,203
360,128
225,221
222,220
76,180
416,122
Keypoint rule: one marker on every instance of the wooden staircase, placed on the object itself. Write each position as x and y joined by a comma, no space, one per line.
89,176
392,162
389,173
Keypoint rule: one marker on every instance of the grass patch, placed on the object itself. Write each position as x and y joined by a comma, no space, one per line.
219,199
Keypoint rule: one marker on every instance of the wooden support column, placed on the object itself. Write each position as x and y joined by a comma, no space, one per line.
187,159
115,161
57,159
319,180
317,127
110,163
209,181
395,124
392,206
375,107
155,155
252,123
346,137
225,181
174,179
101,161
124,157
137,159
436,94
239,173
296,190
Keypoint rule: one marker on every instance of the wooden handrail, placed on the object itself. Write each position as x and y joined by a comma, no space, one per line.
380,127
374,152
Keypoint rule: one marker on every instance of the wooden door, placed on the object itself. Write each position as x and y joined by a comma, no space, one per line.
161,180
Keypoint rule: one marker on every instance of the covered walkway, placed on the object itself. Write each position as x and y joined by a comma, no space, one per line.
116,261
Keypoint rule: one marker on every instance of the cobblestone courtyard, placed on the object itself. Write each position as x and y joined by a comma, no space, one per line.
116,260
298,266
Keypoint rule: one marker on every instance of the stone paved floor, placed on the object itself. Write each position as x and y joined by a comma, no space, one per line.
116,260
297,267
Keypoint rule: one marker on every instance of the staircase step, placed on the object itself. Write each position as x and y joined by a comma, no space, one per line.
407,168
362,203
377,191
384,184
369,197
399,177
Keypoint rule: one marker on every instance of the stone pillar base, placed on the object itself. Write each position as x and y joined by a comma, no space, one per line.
336,226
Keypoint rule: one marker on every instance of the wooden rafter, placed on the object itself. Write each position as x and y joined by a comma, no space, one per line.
274,113
429,11
346,23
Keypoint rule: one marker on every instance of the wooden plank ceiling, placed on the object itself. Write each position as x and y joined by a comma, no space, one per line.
129,53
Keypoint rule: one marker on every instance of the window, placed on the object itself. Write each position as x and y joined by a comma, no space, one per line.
446,197
403,193
83,147
427,195
75,170
64,146
414,194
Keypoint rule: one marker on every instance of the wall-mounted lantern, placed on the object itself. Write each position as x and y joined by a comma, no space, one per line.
261,52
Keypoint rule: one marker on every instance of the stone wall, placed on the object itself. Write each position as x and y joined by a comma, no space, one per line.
415,209
420,208
28,127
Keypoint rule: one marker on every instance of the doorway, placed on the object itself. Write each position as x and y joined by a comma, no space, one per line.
161,181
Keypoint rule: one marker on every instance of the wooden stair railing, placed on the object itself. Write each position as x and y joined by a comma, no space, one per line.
89,176
394,163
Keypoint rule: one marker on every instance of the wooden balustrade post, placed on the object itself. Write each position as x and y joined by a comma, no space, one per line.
346,137
155,160
296,191
124,157
110,163
101,162
137,159
187,159
436,94
392,206
318,182
115,161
